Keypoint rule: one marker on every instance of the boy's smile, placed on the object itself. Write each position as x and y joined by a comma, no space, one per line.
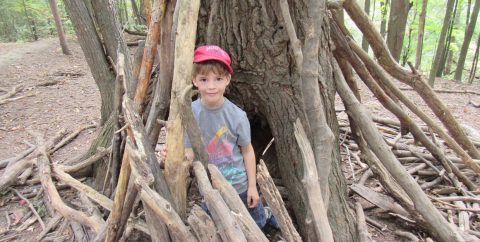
211,87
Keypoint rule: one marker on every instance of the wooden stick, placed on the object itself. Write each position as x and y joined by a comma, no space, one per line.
408,235
437,90
175,171
87,162
361,223
50,225
70,137
142,170
164,210
202,225
53,196
102,200
312,189
295,44
30,205
9,161
250,229
457,198
116,154
275,201
227,226
116,212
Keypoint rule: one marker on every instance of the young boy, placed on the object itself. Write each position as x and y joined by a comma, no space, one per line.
225,127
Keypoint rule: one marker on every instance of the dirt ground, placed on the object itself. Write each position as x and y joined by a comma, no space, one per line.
73,102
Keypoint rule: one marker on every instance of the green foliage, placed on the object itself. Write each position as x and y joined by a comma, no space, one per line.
433,27
21,20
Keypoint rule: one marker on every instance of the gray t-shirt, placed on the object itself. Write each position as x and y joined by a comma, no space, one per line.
224,129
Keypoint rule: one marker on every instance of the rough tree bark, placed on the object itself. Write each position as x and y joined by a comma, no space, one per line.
466,41
397,23
59,27
100,46
265,86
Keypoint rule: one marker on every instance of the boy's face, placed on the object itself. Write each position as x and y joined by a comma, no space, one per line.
211,87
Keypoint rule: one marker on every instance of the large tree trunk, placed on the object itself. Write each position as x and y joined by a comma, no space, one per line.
397,23
441,42
265,86
59,27
421,29
466,41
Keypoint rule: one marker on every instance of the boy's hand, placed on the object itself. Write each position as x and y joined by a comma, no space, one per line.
252,197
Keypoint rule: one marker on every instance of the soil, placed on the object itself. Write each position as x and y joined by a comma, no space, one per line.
72,101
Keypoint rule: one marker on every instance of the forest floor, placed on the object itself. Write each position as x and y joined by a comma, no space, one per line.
59,93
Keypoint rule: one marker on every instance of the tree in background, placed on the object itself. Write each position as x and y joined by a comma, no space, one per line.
367,11
383,22
59,27
447,57
473,69
421,29
466,41
397,23
441,42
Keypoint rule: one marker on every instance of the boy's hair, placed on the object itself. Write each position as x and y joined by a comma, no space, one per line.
203,68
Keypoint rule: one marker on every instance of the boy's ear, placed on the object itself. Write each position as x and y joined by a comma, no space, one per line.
229,77
194,82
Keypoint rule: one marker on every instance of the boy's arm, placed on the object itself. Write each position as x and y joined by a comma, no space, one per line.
250,166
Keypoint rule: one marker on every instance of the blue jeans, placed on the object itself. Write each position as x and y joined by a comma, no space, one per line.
257,213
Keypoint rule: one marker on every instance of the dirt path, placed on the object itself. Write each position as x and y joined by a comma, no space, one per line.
71,103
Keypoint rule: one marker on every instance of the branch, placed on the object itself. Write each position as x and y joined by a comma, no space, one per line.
53,196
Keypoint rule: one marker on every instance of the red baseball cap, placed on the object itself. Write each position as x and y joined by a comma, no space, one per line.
212,52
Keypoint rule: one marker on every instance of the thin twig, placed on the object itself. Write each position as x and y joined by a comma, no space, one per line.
30,205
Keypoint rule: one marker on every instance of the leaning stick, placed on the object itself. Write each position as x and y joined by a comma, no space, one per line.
385,59
439,226
310,181
275,201
227,226
230,196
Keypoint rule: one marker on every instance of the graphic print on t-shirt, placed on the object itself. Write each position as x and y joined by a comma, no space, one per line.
220,152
